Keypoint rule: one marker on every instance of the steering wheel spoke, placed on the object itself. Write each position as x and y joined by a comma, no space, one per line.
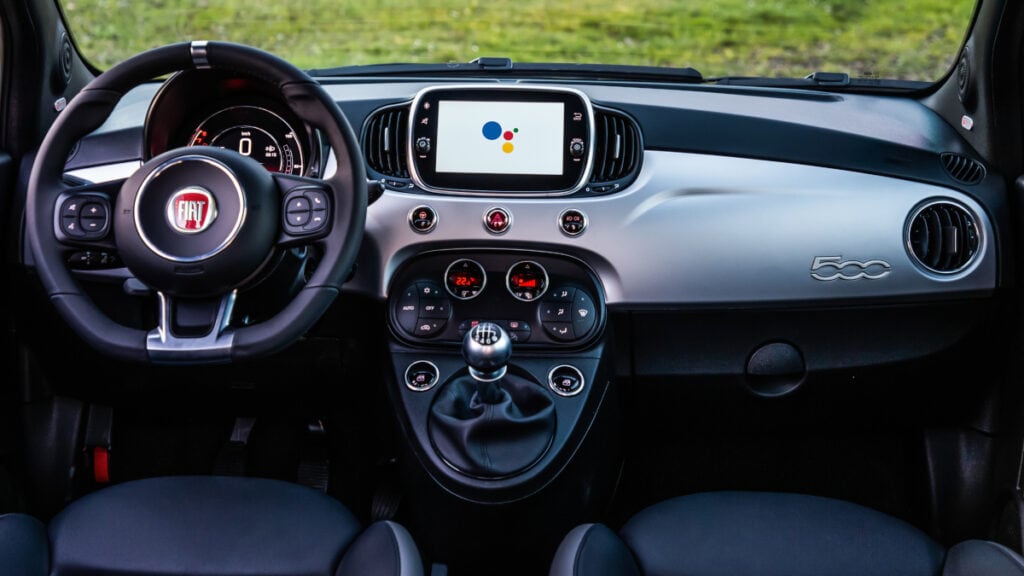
307,207
192,331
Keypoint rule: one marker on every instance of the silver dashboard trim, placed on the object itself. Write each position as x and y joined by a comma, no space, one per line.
580,184
106,172
699,229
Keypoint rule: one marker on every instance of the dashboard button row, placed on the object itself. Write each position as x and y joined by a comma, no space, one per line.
518,330
571,222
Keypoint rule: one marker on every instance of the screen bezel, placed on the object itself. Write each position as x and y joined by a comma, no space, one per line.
575,171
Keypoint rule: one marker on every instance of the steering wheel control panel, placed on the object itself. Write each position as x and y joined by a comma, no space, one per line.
540,300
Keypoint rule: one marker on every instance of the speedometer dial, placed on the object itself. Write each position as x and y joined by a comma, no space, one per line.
255,132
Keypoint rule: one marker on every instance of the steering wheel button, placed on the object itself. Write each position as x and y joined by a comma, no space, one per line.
95,210
71,207
316,221
298,218
317,199
71,226
92,226
298,204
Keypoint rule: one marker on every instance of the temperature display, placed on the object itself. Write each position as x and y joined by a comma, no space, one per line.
465,279
527,280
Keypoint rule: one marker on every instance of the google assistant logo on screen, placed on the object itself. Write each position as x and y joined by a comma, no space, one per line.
493,131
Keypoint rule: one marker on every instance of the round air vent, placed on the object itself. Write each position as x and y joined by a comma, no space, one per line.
943,236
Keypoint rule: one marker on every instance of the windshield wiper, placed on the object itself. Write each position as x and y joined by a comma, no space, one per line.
505,66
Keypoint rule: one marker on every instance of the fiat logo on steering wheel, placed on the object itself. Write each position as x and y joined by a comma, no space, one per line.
191,210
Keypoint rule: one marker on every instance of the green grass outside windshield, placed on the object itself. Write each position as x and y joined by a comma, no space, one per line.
897,39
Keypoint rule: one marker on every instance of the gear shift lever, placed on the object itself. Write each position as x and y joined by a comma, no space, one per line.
487,349
493,423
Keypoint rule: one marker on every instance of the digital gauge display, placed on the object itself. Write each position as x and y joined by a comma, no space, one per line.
465,279
527,281
254,132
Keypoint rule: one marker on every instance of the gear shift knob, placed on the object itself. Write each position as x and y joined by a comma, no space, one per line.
487,348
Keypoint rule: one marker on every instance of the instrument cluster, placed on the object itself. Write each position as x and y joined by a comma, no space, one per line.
247,115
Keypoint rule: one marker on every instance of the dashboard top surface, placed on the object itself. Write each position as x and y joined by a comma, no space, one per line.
741,192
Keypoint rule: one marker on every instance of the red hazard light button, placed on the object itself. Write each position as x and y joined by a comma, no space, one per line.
497,220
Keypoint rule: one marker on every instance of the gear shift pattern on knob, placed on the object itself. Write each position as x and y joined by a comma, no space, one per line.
487,349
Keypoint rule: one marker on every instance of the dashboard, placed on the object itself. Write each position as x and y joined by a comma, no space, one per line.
642,197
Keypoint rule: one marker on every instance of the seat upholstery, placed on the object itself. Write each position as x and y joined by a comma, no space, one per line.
769,534
221,525
23,547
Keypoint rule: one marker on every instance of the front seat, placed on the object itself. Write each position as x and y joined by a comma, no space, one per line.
771,534
203,526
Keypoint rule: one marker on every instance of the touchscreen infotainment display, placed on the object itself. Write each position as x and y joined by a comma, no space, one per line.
500,140
500,137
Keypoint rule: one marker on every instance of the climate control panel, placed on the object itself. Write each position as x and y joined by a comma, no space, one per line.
541,300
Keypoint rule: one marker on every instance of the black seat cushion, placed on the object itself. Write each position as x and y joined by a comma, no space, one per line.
202,526
23,546
775,534
982,558
752,534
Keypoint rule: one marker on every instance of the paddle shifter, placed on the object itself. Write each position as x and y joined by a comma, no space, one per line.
487,349
493,422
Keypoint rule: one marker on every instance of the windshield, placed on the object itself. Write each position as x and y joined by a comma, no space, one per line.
889,39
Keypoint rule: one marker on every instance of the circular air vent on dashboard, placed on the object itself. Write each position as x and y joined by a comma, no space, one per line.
942,236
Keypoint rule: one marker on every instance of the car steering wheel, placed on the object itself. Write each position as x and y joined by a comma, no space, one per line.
196,224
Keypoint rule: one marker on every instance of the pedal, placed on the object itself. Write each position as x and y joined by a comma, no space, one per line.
386,500
231,461
314,465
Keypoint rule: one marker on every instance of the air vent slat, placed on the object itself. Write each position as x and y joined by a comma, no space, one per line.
963,169
617,149
384,141
942,237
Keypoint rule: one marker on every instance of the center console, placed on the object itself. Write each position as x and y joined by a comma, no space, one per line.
504,397
547,314
500,380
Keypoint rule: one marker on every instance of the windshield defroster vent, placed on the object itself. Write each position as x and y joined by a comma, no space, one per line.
618,149
943,237
963,169
384,141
